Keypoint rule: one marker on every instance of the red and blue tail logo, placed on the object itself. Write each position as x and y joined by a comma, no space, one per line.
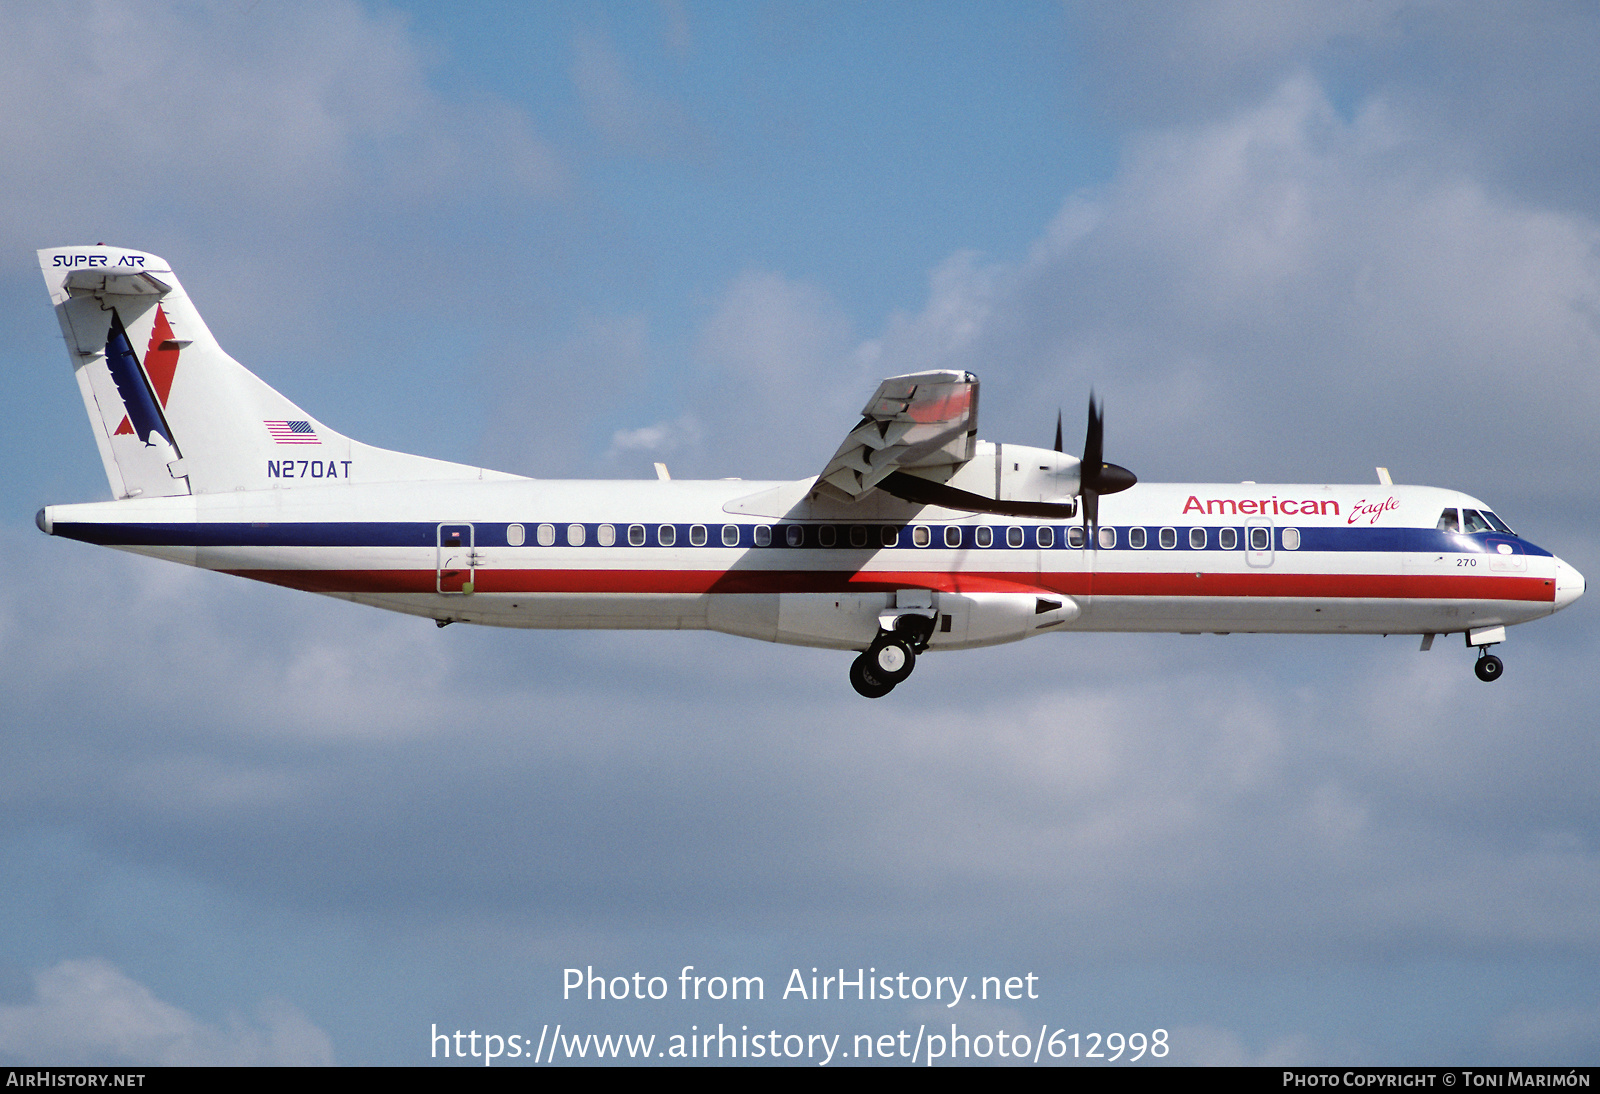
144,387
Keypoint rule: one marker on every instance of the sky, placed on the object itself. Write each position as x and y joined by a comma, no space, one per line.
1284,242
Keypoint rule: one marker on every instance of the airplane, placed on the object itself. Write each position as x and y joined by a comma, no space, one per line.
915,537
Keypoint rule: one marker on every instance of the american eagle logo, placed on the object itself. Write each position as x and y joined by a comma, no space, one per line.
144,388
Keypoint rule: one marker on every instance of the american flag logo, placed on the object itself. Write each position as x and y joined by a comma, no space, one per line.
292,432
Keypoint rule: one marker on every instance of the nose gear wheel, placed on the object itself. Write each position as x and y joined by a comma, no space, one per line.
1489,668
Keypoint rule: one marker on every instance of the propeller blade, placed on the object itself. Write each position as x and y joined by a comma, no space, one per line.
1095,476
1058,431
1094,443
1089,469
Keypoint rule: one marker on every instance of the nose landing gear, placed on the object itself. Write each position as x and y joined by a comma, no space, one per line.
1489,667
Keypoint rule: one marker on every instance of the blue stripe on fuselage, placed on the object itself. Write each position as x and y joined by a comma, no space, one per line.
493,534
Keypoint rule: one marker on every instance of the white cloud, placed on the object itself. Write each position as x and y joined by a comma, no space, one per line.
660,439
87,1012
1161,61
246,141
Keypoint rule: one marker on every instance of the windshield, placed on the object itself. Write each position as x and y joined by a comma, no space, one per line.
1476,520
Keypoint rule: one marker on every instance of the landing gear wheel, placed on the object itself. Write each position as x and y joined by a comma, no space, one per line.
1489,668
891,658
865,681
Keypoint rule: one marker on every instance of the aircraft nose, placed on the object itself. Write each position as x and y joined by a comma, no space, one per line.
1569,584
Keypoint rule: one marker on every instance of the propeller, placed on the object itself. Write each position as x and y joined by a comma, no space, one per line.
1095,476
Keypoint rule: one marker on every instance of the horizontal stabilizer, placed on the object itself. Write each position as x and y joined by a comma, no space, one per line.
96,282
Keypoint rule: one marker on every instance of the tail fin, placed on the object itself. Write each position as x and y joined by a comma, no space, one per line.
171,412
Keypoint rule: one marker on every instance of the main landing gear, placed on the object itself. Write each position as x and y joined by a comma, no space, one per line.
891,657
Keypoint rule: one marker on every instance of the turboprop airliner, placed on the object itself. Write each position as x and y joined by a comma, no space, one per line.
915,537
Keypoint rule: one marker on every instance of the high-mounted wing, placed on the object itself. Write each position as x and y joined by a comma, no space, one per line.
923,419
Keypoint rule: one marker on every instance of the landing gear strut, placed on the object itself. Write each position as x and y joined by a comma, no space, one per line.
891,657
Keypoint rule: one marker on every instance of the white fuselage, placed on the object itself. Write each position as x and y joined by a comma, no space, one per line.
772,561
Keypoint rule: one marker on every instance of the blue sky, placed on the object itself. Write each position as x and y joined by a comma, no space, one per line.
1284,242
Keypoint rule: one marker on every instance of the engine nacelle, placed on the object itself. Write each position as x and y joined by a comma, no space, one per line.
1018,472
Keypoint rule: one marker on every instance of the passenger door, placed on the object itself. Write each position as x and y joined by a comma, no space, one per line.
457,559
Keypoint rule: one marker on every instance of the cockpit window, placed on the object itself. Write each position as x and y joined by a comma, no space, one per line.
1448,521
1499,525
1472,521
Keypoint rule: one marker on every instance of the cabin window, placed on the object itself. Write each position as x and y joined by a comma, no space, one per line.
1045,536
636,535
1227,538
858,535
763,535
827,535
1136,538
666,535
985,536
889,536
921,536
575,535
794,535
1013,536
697,535
952,536
1197,539
606,535
1108,538
516,535
546,534
730,535
1168,538
1291,539
1260,539
1448,521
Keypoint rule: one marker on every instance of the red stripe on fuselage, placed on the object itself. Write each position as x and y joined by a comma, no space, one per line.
1309,586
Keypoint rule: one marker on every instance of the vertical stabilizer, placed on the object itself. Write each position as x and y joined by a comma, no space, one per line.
174,414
